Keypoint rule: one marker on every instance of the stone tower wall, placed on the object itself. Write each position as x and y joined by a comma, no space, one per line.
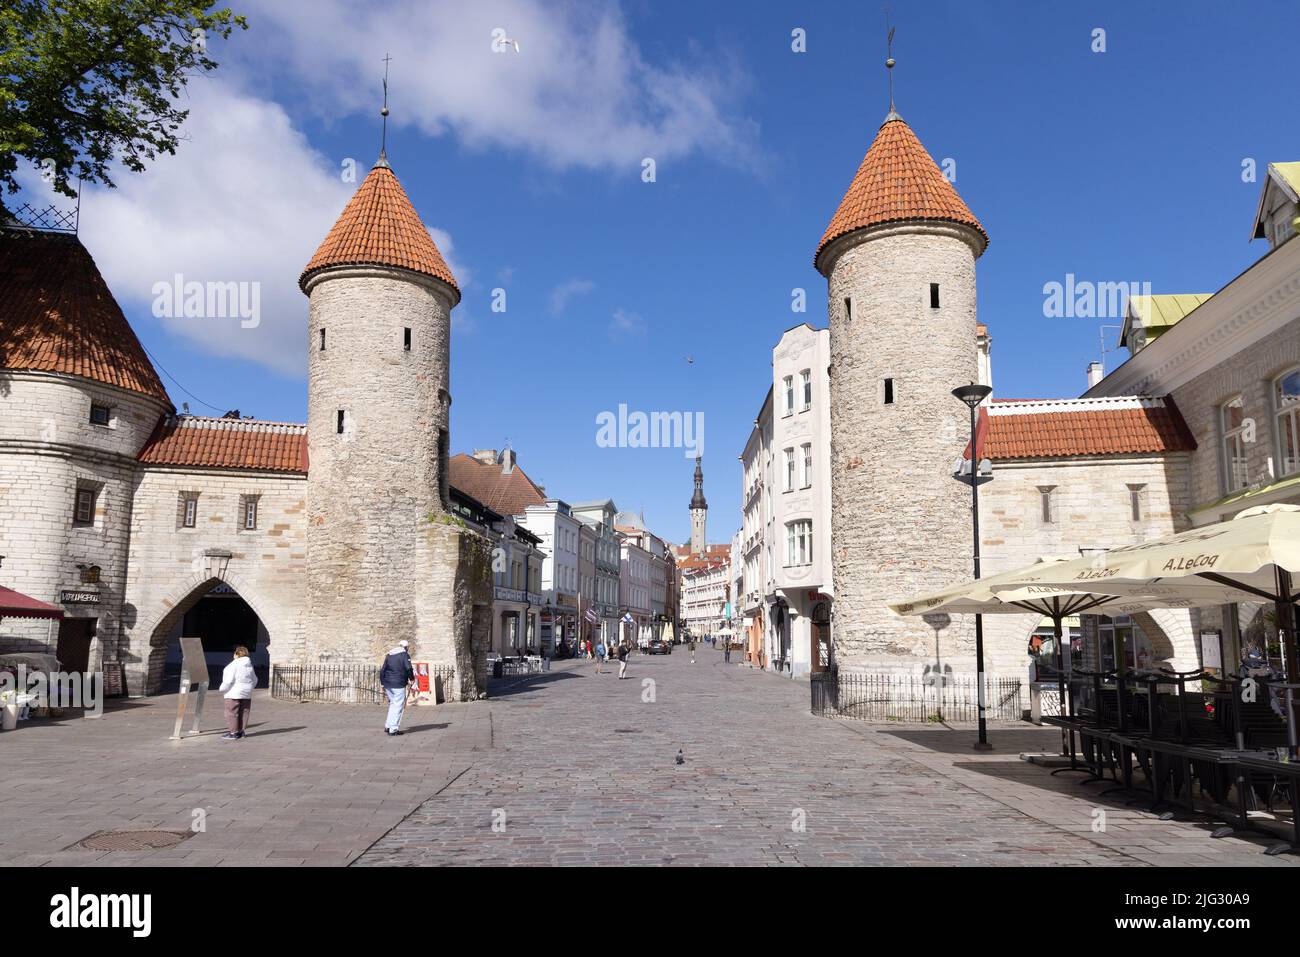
902,523
48,450
373,488
699,517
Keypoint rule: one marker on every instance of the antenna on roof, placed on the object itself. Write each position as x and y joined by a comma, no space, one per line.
889,60
383,137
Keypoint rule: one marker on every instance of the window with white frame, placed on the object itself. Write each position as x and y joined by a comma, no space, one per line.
798,543
789,470
788,383
248,512
806,475
189,510
84,507
806,380
1286,409
1233,427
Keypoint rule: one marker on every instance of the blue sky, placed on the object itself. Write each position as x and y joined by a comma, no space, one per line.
1116,166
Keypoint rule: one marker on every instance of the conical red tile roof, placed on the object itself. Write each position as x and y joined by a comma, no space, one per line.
380,227
58,315
897,181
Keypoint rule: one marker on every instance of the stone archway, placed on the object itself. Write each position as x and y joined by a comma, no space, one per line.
1172,641
180,599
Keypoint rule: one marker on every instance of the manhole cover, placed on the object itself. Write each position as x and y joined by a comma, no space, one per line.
130,841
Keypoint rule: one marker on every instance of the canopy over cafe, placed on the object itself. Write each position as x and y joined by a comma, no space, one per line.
14,604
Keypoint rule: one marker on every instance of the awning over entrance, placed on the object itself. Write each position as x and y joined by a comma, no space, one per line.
15,604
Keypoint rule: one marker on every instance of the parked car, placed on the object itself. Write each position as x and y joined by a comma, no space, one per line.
659,647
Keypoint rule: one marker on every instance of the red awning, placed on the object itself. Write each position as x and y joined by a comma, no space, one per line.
17,605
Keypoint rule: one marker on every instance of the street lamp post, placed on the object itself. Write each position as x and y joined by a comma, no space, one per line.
973,395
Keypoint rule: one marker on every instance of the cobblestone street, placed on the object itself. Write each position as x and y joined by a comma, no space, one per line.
573,768
582,771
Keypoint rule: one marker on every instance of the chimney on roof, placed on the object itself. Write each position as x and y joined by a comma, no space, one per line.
1095,374
507,461
486,456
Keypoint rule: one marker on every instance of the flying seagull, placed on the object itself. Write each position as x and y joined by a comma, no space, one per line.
507,42
681,759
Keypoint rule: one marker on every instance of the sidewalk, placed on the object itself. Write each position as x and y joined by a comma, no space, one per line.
310,784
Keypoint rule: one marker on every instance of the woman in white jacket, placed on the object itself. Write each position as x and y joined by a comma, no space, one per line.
237,684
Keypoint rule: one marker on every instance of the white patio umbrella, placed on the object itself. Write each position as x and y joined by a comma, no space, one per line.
1248,558
1007,593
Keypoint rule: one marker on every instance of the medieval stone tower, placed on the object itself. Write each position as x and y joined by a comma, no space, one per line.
699,511
899,259
383,561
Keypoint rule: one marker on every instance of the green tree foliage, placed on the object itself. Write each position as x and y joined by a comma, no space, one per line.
87,83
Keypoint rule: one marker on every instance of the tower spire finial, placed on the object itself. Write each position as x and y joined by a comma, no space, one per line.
383,136
889,64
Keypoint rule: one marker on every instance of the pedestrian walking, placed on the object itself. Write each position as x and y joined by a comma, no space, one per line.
237,683
692,647
396,676
622,660
600,658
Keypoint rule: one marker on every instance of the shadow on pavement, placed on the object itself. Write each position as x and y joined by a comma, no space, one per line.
1137,801
508,687
959,740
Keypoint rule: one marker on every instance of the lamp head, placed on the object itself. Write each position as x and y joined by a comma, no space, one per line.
972,394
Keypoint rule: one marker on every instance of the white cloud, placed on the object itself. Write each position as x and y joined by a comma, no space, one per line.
567,291
626,324
579,95
245,199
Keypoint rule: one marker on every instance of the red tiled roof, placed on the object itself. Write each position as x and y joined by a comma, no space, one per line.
508,494
200,442
58,315
897,181
380,227
1060,428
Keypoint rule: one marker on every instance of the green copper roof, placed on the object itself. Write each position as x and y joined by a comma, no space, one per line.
1155,314
1289,172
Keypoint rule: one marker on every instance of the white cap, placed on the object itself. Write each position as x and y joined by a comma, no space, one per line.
404,643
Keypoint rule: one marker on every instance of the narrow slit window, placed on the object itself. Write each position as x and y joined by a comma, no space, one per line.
340,425
889,392
848,308
406,339
1046,511
322,340
1135,502
934,295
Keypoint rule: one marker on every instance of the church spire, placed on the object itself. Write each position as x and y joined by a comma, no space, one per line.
697,500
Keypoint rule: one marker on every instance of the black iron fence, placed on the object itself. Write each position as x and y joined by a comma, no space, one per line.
914,698
343,684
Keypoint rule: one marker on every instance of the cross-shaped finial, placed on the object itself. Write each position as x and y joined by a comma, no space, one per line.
383,140
889,58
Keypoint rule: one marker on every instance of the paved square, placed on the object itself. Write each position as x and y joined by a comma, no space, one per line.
573,768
